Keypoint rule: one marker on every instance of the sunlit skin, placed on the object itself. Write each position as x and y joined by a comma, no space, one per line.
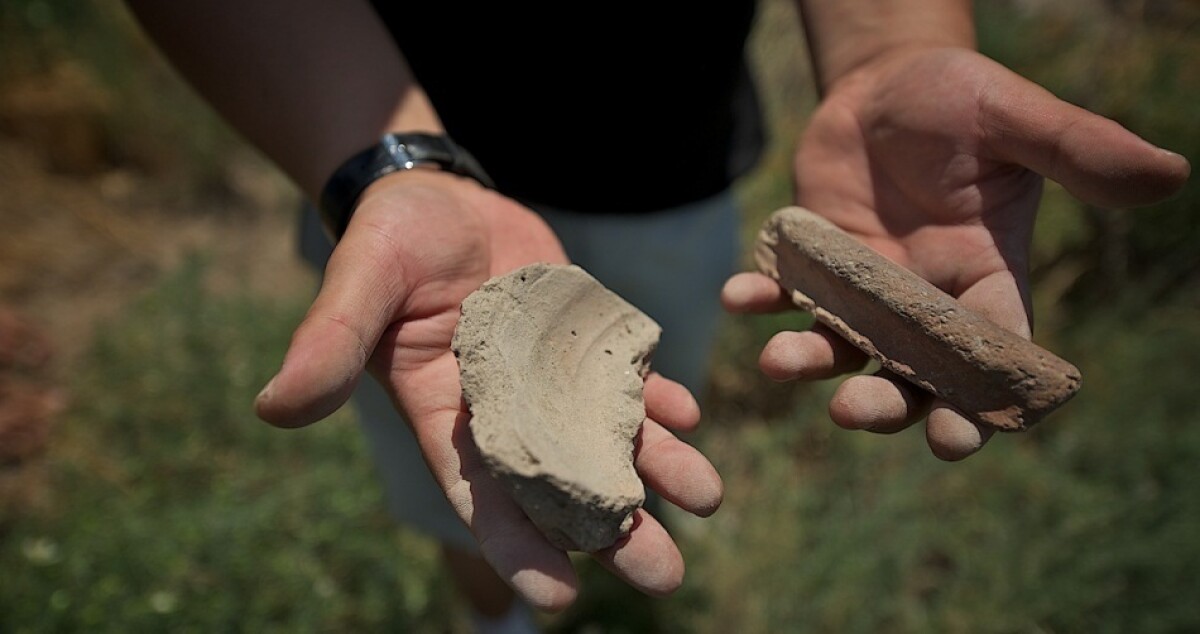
925,150
935,157
419,243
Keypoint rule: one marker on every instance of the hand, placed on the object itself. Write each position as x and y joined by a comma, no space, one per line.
934,157
419,243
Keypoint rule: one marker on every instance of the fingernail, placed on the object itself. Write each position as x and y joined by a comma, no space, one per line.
732,294
266,392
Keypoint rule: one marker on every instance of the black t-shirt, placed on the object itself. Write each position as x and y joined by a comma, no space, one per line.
618,107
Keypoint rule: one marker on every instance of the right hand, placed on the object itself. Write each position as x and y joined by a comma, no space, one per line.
419,243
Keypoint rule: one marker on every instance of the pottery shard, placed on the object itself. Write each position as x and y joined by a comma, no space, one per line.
993,376
552,365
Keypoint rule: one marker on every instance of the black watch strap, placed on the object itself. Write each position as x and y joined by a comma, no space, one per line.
393,153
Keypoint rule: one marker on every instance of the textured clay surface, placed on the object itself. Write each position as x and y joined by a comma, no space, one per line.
552,365
911,327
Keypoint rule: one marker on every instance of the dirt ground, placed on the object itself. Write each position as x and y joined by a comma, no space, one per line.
81,238
75,248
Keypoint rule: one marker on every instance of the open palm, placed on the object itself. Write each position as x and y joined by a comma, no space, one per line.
419,243
935,158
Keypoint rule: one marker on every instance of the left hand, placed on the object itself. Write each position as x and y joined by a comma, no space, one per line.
934,157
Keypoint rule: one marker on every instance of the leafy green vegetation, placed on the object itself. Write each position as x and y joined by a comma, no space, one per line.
176,509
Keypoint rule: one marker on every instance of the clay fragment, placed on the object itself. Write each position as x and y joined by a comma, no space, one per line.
993,376
552,365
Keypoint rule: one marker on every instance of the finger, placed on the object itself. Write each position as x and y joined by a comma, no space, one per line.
1094,158
536,570
813,354
754,293
951,436
540,573
671,404
646,559
1003,300
999,297
677,471
881,402
359,297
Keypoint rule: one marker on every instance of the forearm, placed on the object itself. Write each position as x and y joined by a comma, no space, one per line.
845,34
309,82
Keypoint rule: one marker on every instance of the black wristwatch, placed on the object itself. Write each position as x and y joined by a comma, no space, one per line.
393,153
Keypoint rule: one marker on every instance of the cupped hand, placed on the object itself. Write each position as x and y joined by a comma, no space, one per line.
418,244
935,157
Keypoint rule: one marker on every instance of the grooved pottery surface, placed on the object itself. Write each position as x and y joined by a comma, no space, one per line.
552,366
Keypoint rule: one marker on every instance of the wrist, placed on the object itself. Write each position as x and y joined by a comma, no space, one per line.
394,154
391,187
847,35
883,69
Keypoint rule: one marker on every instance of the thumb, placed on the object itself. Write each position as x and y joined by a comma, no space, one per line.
359,297
1094,158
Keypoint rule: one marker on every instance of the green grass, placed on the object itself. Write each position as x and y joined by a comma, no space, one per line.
1084,525
175,509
